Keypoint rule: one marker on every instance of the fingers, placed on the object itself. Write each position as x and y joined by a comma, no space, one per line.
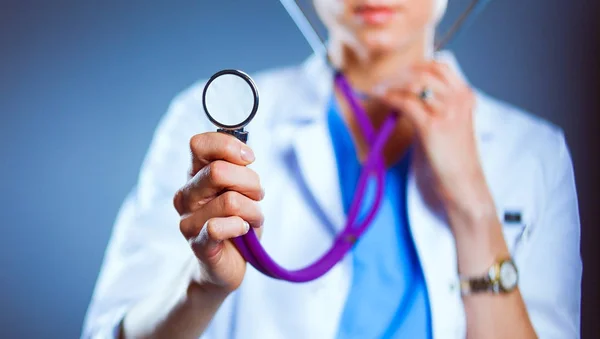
404,93
215,178
413,89
406,98
410,106
207,147
228,204
438,76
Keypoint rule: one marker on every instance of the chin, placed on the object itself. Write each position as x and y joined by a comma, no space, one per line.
379,42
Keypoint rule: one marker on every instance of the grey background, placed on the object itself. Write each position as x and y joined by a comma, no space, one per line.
83,84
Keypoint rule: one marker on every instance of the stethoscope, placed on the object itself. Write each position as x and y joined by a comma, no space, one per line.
245,104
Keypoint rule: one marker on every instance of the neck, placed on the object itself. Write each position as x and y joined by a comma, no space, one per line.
366,70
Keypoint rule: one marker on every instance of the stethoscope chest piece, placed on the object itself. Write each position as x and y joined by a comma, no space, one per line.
230,101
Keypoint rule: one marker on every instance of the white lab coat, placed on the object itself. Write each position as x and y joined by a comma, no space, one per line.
526,163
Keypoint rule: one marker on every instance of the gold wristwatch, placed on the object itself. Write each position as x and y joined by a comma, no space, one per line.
502,277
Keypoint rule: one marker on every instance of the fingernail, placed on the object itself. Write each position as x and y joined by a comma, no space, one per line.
247,154
262,191
246,227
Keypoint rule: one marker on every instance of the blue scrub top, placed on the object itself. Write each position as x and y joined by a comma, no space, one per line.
388,295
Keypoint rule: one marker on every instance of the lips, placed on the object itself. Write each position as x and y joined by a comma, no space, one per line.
374,14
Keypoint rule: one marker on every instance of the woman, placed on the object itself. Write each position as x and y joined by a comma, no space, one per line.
473,185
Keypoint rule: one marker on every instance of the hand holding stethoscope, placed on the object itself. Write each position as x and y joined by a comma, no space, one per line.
440,105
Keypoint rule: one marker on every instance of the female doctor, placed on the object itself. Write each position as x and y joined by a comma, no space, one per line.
475,188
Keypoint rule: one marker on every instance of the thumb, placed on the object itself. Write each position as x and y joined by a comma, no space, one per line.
208,245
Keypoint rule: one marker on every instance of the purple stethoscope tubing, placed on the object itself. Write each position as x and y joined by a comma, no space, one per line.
249,246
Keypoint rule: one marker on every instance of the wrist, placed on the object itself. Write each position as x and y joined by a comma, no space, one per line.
181,307
476,252
200,288
197,296
206,292
479,241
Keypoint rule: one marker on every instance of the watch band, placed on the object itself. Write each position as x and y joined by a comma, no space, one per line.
491,282
470,286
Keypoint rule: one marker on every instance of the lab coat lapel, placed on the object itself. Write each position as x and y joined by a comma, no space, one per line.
318,169
312,146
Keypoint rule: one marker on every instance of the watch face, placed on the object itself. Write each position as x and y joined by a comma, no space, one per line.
508,275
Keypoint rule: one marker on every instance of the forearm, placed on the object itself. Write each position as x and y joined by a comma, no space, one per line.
480,242
183,309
